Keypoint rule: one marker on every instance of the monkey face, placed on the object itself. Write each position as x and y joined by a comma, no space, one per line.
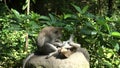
52,33
57,32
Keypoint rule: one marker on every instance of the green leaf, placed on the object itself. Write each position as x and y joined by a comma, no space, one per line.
67,16
86,31
109,55
107,27
24,7
44,18
115,34
117,47
89,15
101,20
93,32
26,4
33,25
85,9
53,19
77,8
16,13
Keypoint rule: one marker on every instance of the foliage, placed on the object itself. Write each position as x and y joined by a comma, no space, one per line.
99,34
14,28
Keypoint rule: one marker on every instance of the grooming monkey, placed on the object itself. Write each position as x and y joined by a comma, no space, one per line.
47,41
47,37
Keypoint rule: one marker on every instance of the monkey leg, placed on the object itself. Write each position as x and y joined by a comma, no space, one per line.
75,44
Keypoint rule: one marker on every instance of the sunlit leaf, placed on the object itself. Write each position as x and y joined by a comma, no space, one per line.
93,33
26,4
115,34
16,13
67,16
109,55
24,7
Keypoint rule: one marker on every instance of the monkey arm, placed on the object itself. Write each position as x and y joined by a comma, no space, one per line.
52,46
59,44
41,41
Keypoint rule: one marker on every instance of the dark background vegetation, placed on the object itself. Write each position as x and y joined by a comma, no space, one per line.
95,24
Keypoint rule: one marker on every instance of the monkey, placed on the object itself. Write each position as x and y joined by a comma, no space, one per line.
46,37
25,61
73,47
47,41
62,45
69,47
69,44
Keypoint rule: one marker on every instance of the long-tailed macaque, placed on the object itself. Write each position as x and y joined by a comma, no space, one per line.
72,48
73,54
69,47
66,46
47,37
47,41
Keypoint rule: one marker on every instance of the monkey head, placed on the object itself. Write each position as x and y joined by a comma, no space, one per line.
54,32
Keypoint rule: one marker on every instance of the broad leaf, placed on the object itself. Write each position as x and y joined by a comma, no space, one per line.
85,9
115,34
77,8
16,13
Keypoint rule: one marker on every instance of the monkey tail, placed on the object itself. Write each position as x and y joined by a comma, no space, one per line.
26,60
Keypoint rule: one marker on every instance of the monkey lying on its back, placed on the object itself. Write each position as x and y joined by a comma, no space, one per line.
69,47
69,44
